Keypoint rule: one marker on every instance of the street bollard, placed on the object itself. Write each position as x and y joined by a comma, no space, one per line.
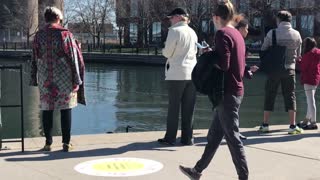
156,50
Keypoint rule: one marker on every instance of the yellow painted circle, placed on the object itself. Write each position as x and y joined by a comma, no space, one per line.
118,166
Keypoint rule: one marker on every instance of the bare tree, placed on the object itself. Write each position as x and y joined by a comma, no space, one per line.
22,17
94,14
5,15
264,10
122,14
199,10
159,10
30,23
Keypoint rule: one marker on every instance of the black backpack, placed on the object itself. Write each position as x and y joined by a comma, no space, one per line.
208,78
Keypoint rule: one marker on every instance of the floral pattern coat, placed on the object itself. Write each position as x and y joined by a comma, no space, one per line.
56,68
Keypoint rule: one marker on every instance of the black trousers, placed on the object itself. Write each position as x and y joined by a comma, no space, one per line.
47,120
182,96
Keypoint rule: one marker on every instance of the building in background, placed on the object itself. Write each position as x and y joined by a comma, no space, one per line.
83,34
143,22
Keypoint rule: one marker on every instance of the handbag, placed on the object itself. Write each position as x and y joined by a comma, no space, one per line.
273,59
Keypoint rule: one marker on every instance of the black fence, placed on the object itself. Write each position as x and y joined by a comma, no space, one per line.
20,105
89,47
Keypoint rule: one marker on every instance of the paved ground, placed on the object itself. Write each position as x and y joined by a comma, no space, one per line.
273,156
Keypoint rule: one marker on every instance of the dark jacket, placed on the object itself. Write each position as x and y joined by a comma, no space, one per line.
208,78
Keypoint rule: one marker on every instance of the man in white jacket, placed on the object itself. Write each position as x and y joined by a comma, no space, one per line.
180,51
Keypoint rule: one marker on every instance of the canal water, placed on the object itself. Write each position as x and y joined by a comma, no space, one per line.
126,97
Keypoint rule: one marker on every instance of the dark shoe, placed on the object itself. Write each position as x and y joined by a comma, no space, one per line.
67,147
46,148
242,137
312,126
304,123
190,172
187,143
163,141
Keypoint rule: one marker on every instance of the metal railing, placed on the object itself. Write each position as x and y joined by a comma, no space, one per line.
19,68
91,48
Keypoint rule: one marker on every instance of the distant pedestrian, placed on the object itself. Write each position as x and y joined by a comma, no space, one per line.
291,39
310,78
181,53
57,69
230,47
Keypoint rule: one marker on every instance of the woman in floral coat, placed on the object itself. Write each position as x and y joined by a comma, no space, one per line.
57,69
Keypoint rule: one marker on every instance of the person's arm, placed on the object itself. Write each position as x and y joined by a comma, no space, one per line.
249,70
303,63
299,50
247,73
267,41
170,45
223,48
34,68
70,49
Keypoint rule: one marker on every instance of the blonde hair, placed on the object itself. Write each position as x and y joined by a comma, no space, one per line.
51,13
225,10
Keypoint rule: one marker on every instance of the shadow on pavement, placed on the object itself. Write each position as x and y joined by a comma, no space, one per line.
56,155
254,137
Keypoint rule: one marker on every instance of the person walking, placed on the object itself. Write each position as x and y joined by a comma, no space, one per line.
181,53
310,78
230,46
291,39
56,68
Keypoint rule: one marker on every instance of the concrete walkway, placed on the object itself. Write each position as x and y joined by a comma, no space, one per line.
272,156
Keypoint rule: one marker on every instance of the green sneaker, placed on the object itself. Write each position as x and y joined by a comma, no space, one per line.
46,148
295,130
264,128
67,147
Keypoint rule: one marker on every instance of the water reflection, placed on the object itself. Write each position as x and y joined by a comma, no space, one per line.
119,96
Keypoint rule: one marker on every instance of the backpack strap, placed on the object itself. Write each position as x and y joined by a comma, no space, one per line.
274,38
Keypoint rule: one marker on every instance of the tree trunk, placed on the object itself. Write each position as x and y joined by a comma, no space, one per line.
120,36
98,39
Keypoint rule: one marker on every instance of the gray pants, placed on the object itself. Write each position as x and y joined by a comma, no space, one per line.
181,94
226,124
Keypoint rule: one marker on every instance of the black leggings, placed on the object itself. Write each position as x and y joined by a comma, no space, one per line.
47,120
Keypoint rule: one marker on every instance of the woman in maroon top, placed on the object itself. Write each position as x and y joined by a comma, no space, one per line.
230,47
310,77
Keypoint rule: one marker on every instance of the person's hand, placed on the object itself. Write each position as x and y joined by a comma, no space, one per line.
75,88
254,68
298,59
206,50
